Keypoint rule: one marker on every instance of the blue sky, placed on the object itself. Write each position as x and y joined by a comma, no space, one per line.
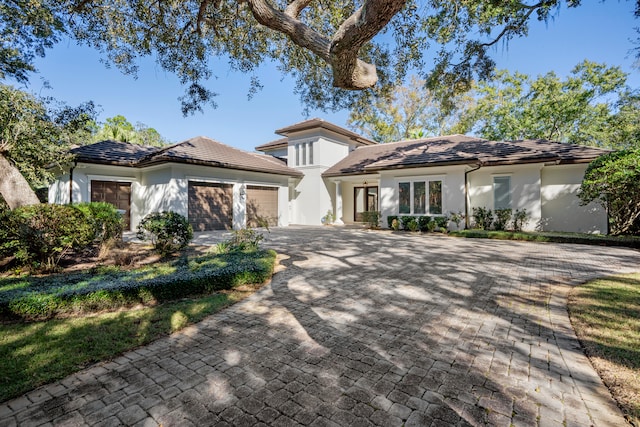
596,31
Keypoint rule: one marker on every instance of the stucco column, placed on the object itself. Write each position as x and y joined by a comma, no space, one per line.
338,220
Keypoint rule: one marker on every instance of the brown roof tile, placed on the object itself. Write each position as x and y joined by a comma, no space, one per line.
112,153
273,145
205,151
455,150
323,124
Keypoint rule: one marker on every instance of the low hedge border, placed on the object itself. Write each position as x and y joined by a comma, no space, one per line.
584,239
107,288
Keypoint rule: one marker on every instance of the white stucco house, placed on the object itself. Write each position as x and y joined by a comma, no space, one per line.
318,167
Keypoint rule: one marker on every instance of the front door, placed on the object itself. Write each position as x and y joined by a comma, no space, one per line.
364,199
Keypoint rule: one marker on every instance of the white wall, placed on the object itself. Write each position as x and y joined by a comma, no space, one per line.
525,190
561,210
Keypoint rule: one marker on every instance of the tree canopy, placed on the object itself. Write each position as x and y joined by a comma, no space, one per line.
613,180
118,128
592,106
330,48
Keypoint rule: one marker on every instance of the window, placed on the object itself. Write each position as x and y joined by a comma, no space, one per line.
311,153
297,154
501,192
419,197
404,189
413,197
304,154
435,197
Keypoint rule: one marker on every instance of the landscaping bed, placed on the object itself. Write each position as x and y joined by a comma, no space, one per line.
555,237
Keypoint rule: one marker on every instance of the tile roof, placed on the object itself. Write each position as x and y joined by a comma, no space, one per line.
458,150
200,150
112,153
273,145
323,124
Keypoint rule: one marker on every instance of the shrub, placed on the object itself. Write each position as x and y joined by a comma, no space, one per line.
107,222
423,222
502,218
244,239
168,231
483,218
371,218
43,234
405,220
519,218
441,222
328,218
395,224
431,226
412,225
456,218
390,220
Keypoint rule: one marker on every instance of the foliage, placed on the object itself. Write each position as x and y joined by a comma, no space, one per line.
520,217
59,347
395,224
482,218
36,133
390,219
169,232
604,314
43,234
613,180
405,220
550,236
408,112
441,221
245,239
502,219
412,225
371,218
110,288
577,109
105,219
314,42
118,128
423,223
328,218
456,218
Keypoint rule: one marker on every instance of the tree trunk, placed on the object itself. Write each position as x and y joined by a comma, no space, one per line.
15,190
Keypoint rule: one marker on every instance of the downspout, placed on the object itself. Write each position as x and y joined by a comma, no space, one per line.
466,195
71,182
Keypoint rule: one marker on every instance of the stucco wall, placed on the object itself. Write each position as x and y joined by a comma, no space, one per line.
561,210
525,190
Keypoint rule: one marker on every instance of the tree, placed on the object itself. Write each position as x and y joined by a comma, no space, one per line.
330,48
613,180
409,112
35,134
592,106
118,128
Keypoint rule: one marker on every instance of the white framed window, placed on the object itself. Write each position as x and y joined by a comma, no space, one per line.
420,197
501,192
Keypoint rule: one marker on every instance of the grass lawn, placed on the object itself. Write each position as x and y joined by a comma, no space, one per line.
606,317
36,353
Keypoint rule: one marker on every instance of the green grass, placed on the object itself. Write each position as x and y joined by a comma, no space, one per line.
36,353
605,314
556,237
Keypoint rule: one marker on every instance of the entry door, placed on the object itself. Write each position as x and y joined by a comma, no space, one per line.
364,199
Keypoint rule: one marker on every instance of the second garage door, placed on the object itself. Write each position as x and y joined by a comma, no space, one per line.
262,205
210,206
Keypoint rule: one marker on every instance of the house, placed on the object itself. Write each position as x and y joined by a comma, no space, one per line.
319,167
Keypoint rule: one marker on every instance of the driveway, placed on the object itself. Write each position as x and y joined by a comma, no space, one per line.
365,328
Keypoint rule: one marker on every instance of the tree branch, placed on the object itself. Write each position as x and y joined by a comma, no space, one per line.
341,52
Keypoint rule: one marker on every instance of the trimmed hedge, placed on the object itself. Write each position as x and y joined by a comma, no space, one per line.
553,237
105,288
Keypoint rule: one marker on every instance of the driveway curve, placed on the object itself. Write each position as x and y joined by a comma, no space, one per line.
365,328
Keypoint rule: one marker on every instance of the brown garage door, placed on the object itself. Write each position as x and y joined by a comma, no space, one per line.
262,205
210,206
116,193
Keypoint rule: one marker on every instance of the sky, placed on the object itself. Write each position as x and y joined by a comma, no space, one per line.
598,31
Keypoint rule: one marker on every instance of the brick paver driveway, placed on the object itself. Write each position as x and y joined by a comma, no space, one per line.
365,328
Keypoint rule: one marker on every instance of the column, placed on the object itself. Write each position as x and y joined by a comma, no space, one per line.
338,220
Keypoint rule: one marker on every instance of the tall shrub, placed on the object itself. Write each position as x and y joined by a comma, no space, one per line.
105,219
168,231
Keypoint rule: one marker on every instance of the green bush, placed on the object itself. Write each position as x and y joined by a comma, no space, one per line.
405,220
168,231
390,220
412,225
395,224
105,219
502,218
483,218
519,218
456,218
441,221
371,218
108,288
423,223
244,239
43,233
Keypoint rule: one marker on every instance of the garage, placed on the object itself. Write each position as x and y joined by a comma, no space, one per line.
116,193
210,206
262,205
